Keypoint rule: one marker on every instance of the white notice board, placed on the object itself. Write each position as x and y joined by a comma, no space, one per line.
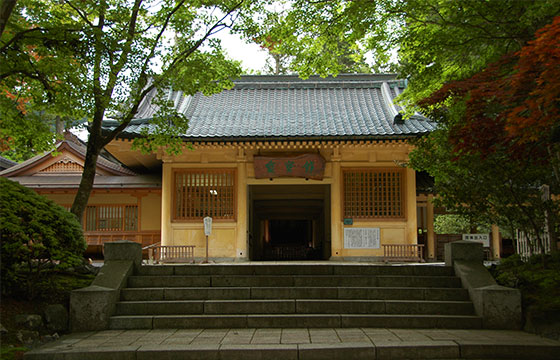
481,238
361,238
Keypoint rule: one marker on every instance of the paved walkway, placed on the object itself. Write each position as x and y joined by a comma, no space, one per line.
347,343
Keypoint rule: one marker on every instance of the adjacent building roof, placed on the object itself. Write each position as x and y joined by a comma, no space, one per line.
64,170
287,107
75,148
6,163
100,182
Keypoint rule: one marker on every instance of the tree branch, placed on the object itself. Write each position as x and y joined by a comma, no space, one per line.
117,68
178,59
80,14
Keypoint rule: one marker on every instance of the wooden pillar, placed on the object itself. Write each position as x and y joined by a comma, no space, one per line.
431,241
411,210
242,215
495,242
337,241
166,203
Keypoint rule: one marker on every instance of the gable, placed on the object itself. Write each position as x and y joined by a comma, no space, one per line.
65,165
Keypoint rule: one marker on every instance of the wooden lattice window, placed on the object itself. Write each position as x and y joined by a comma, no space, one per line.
200,193
111,218
373,193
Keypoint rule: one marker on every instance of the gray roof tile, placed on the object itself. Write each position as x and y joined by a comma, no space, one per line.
287,107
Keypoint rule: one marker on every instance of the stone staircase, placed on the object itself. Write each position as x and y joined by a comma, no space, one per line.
294,296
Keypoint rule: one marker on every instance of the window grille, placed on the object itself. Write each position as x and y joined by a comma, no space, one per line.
111,218
373,193
200,193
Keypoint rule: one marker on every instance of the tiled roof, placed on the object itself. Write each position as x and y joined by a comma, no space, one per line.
6,163
274,107
100,182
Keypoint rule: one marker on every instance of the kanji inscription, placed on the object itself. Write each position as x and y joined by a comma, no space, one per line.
309,166
361,238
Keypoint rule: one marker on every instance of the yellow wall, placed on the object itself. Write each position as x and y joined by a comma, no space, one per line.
229,239
149,204
150,212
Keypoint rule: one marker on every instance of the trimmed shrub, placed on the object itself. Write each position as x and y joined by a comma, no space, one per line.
538,279
36,234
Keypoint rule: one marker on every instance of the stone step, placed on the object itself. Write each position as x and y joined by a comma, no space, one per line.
298,344
295,269
298,306
293,281
295,321
241,293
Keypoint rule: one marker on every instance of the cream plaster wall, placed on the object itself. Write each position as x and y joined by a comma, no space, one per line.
150,212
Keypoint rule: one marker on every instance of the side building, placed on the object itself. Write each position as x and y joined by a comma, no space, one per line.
123,204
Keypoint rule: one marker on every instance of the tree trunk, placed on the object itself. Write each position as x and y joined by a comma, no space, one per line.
59,125
6,8
86,183
277,59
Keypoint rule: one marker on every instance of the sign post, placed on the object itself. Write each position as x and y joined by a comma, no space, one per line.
207,231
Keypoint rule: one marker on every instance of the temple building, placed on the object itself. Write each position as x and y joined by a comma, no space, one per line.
288,169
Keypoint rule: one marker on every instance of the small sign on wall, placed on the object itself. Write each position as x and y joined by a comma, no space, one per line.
481,238
362,238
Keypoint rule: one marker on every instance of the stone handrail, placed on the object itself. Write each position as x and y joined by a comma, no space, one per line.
499,306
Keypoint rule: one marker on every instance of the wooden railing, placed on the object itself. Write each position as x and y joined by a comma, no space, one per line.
176,253
403,252
144,238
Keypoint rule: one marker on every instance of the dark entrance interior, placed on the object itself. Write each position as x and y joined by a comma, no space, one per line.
289,222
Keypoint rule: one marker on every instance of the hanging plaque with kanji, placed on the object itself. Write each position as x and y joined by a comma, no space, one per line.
309,166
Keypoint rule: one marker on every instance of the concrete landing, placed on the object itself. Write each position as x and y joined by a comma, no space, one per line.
323,343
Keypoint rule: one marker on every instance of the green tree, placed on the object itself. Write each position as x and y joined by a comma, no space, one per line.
458,224
29,110
94,60
35,234
485,168
435,41
282,35
497,147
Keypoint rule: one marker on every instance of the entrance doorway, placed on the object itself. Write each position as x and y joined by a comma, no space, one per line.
289,222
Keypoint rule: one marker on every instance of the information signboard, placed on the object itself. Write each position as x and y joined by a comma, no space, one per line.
481,238
207,225
362,238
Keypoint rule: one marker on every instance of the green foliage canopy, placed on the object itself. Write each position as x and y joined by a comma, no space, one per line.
428,42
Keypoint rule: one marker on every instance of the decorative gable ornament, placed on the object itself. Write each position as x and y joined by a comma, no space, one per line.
64,165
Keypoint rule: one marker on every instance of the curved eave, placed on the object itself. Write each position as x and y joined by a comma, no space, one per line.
240,139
